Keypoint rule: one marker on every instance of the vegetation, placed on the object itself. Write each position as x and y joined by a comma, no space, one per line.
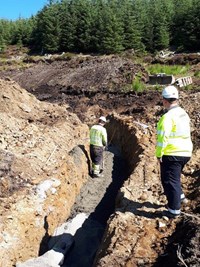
168,69
106,26
137,85
197,74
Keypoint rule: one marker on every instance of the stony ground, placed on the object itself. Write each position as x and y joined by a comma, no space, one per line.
90,87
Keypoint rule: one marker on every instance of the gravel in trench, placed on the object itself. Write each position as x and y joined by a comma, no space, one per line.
97,200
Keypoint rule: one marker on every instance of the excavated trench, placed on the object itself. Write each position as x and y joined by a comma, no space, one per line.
121,226
97,198
97,201
129,159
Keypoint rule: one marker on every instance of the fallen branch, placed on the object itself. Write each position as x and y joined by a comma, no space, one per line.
179,255
191,215
51,155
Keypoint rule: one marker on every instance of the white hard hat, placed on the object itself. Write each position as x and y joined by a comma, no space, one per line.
102,118
170,92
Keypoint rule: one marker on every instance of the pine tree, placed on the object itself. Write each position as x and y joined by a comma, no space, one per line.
2,43
97,23
111,34
5,31
185,27
68,26
47,31
83,26
132,34
157,34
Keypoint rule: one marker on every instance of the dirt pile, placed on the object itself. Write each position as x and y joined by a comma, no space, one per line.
36,139
78,75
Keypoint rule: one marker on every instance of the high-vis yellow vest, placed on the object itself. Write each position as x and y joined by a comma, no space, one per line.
98,135
173,134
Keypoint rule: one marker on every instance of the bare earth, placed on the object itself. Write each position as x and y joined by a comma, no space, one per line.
46,109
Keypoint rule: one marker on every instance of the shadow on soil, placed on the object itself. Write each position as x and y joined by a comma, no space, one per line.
182,247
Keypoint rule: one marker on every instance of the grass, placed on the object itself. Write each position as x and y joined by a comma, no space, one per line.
137,85
168,69
197,74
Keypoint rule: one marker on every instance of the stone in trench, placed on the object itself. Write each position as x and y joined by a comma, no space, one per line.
53,257
58,245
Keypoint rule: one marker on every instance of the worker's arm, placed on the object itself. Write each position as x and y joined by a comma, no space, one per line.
104,137
164,128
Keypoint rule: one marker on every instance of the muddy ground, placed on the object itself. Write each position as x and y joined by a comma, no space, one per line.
92,86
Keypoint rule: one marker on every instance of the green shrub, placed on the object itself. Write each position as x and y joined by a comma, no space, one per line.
137,85
158,87
197,74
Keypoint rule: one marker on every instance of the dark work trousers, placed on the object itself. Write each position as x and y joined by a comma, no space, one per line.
96,154
171,167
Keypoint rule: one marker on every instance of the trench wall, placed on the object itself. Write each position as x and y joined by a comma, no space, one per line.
126,137
33,218
137,145
121,236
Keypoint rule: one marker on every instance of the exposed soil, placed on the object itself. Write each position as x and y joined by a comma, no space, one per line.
89,87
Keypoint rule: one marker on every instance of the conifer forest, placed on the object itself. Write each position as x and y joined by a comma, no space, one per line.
106,26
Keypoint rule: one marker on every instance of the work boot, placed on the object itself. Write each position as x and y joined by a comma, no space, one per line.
184,201
100,175
168,214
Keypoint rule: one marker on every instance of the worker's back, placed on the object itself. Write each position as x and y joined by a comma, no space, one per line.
98,135
176,124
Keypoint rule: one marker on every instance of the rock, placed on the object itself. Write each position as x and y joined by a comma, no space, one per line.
144,196
161,224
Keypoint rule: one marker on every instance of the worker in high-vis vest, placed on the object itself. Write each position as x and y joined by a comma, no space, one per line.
173,149
98,142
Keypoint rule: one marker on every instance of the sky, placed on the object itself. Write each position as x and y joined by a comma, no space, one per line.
13,9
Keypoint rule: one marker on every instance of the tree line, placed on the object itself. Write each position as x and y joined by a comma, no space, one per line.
107,26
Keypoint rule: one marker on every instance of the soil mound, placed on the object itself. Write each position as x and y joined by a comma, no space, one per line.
29,132
79,74
36,138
